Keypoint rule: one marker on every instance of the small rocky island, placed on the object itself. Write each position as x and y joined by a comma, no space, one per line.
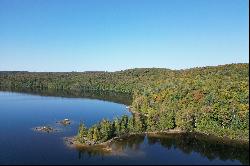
73,142
64,122
47,129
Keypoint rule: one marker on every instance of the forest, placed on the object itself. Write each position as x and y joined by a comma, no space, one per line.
211,100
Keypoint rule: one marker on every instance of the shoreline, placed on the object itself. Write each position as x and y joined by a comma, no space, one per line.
106,146
176,130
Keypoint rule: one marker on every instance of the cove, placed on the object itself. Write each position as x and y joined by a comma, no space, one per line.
20,112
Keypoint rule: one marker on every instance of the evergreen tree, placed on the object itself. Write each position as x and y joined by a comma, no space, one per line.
106,130
82,132
96,134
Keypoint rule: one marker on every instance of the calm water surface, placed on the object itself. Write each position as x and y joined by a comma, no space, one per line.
19,144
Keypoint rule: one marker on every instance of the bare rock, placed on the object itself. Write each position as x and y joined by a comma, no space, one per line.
64,122
47,129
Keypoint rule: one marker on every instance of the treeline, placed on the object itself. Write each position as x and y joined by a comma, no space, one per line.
104,81
122,81
212,100
106,130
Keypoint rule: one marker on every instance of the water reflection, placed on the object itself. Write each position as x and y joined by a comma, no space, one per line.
88,153
206,147
161,149
116,97
131,143
120,148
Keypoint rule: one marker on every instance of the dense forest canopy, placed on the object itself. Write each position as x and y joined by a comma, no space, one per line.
211,100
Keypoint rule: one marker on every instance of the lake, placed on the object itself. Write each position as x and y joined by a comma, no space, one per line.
19,144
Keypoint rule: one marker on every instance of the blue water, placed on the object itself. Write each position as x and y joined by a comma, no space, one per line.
19,144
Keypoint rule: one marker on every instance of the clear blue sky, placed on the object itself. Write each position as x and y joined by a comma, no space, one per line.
111,35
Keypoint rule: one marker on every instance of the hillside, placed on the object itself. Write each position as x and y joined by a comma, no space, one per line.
212,100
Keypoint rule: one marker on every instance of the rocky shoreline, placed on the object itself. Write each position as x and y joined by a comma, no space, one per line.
74,143
106,146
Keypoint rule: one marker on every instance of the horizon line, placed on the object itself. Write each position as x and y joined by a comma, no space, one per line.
103,71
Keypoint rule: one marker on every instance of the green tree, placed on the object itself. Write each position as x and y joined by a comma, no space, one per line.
166,120
82,133
106,130
96,134
185,119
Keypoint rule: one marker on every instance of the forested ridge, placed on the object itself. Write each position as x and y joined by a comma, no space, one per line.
211,100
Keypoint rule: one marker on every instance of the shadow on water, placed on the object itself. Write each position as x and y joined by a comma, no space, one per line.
121,98
119,148
206,147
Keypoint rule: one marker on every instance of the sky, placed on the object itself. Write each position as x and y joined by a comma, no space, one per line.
112,35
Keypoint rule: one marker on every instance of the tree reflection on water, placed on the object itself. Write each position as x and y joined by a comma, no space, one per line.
122,98
207,147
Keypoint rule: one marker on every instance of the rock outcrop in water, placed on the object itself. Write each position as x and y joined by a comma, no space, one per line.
47,129
64,122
